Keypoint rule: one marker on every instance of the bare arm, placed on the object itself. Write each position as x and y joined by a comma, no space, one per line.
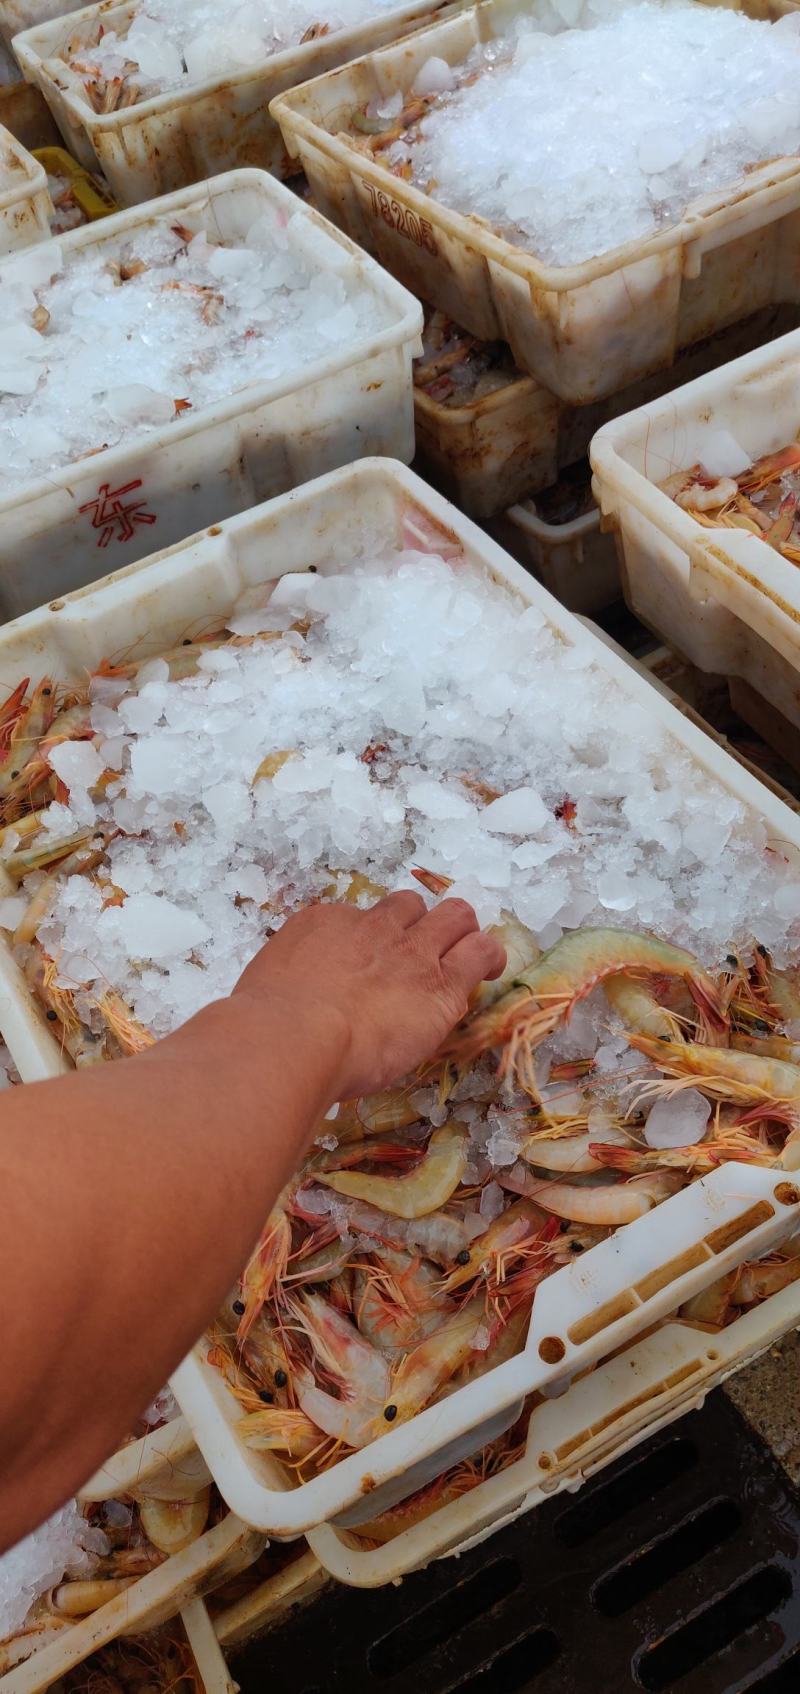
133,1193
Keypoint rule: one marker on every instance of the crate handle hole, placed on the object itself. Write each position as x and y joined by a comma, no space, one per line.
712,1354
545,1461
551,1349
787,1193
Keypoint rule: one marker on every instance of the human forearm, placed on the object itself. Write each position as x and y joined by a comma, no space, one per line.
135,1191
160,1174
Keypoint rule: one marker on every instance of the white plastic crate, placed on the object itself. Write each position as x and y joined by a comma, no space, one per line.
576,561
108,509
212,1671
585,1311
723,598
267,1603
187,134
585,330
624,1401
494,452
163,1465
488,453
25,205
156,1598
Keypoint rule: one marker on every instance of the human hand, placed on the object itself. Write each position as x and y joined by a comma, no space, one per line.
390,982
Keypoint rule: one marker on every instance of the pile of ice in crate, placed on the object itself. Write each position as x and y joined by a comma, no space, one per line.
410,714
574,142
175,43
105,344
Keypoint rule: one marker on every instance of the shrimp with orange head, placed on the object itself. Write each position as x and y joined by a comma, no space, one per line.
545,994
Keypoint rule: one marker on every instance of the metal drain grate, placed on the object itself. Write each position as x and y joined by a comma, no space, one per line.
675,1572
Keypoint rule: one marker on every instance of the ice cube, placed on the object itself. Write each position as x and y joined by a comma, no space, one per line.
787,901
434,77
520,812
713,446
679,1120
77,763
659,149
137,404
150,926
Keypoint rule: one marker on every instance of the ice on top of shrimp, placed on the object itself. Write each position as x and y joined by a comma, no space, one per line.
404,703
597,125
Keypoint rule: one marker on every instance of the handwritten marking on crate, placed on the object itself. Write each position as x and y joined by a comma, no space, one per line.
401,218
116,519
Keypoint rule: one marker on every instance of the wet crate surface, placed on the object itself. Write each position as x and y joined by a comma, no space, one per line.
676,1572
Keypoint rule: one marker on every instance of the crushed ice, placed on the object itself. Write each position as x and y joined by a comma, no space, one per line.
590,136
63,1546
126,350
175,44
412,681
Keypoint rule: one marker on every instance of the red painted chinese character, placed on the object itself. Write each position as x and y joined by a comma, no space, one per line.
116,519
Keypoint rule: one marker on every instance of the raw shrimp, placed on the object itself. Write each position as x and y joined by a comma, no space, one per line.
697,1158
638,1008
711,1306
724,1074
357,1369
759,1281
266,1268
511,1235
263,1350
567,1153
424,1190
390,1111
86,854
172,1525
398,1301
281,1429
776,987
438,1236
612,1205
767,1046
130,1035
546,993
425,1370
26,734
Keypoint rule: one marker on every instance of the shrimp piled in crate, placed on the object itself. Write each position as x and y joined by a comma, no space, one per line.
762,498
396,718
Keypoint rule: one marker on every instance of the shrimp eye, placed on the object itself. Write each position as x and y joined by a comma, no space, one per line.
576,1246
761,1024
238,1306
731,959
268,1399
762,950
52,1016
463,1257
390,1413
187,641
281,1379
47,691
564,1226
15,773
